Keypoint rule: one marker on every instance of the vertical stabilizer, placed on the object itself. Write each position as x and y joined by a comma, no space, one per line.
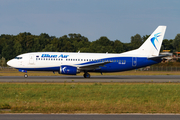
152,46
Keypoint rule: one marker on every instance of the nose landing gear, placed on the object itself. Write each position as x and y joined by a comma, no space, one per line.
24,71
25,76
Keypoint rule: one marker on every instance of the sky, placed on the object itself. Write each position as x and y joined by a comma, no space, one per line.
115,19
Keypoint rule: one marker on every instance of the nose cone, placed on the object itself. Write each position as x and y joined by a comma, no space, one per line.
10,63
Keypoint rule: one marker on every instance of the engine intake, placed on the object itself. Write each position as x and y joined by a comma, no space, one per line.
69,70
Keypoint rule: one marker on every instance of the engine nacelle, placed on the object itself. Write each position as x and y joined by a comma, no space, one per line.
69,70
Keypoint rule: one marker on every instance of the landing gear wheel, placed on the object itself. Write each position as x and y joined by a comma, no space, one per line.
25,75
86,75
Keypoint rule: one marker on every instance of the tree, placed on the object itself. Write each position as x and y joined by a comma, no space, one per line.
68,47
49,48
118,47
18,48
136,41
167,45
8,52
176,42
3,62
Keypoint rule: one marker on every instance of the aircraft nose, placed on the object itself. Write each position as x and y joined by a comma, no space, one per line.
10,63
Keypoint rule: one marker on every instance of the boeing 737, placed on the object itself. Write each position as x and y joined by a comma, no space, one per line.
70,63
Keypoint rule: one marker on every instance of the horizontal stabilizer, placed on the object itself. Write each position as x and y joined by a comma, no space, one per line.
159,57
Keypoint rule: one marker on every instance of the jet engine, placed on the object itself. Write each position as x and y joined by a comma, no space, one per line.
69,70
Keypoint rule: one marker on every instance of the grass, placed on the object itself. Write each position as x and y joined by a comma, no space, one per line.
90,97
132,72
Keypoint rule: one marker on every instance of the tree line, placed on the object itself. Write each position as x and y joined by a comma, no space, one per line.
13,45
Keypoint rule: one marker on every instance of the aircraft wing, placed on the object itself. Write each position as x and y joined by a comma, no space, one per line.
93,66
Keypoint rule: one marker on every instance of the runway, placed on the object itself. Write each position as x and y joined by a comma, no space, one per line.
93,79
88,117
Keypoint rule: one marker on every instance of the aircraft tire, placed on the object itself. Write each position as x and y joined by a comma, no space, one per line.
84,75
87,75
25,76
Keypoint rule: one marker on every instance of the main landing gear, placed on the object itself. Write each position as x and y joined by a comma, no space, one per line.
86,75
25,76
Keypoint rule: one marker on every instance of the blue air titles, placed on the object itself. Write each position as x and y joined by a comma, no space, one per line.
54,56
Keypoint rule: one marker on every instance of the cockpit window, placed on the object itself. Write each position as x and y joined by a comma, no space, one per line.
18,58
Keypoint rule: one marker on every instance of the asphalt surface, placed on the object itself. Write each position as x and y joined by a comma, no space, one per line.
87,117
93,79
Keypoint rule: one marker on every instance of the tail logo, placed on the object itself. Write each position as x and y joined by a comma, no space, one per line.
155,38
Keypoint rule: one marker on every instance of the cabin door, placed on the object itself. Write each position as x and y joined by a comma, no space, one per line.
134,61
31,59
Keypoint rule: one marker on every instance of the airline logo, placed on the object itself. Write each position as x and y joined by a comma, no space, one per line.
54,56
155,38
63,69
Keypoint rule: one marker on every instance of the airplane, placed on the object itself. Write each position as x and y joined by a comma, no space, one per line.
71,63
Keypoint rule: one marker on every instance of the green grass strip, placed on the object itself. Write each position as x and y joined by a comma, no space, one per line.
90,98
